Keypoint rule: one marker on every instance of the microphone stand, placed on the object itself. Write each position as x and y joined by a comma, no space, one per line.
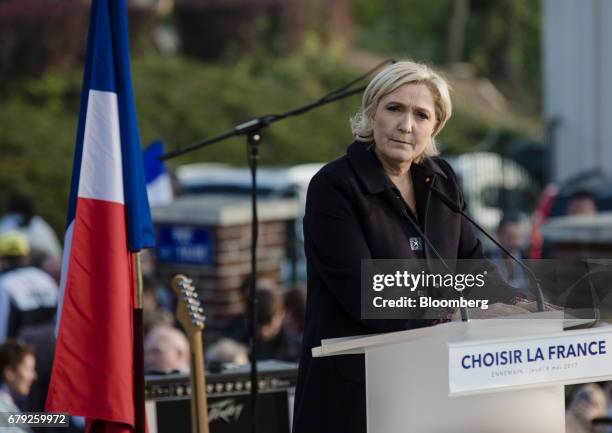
453,206
252,130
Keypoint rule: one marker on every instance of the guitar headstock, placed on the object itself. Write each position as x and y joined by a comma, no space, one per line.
189,311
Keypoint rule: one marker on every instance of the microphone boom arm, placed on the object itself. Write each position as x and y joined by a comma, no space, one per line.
453,206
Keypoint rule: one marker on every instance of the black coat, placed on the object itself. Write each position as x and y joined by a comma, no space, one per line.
350,215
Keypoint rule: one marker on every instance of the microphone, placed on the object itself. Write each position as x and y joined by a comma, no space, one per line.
400,205
453,206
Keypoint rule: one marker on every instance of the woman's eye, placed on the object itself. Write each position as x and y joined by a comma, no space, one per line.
423,115
393,108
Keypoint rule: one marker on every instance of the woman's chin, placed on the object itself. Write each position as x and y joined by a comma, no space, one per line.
403,156
398,155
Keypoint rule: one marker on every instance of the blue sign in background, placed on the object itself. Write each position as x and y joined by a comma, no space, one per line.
184,244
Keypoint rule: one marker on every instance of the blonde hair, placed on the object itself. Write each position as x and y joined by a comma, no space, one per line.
389,79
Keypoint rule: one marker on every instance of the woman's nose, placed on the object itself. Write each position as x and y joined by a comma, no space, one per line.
405,123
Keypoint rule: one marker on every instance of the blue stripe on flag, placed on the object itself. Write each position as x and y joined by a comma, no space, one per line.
153,166
103,75
138,215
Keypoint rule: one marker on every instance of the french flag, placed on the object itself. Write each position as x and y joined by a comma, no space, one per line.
159,182
108,219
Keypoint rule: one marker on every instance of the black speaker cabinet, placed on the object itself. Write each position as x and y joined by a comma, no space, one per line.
168,400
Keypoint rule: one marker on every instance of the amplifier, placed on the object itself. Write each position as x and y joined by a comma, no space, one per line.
228,396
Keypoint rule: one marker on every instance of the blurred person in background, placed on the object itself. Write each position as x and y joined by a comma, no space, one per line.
295,311
607,386
581,203
166,350
153,314
164,297
17,373
42,338
511,235
226,353
273,341
22,217
50,264
587,403
240,324
28,295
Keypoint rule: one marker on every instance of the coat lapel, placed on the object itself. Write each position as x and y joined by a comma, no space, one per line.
371,175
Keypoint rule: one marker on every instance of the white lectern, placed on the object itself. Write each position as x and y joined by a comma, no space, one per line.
415,381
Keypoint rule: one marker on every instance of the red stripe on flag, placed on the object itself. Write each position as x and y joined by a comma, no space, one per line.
93,368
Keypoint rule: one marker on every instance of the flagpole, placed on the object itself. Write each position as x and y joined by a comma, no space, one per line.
139,400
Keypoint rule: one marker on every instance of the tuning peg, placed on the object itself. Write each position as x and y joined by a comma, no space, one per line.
197,322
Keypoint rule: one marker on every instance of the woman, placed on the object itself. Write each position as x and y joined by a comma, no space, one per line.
17,373
352,213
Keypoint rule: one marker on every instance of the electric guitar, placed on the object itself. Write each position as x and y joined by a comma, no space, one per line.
190,315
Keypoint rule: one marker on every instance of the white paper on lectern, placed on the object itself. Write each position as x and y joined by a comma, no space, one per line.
359,343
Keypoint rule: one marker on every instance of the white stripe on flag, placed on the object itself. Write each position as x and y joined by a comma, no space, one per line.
101,175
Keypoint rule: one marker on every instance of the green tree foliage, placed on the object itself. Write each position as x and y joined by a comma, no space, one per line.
38,126
202,100
501,38
412,28
183,101
503,42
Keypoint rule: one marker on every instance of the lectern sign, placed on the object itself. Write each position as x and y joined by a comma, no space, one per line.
580,356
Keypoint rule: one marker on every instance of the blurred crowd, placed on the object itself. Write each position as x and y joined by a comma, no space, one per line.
529,244
280,314
30,267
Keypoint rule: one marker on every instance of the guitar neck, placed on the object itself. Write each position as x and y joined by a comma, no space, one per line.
199,406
